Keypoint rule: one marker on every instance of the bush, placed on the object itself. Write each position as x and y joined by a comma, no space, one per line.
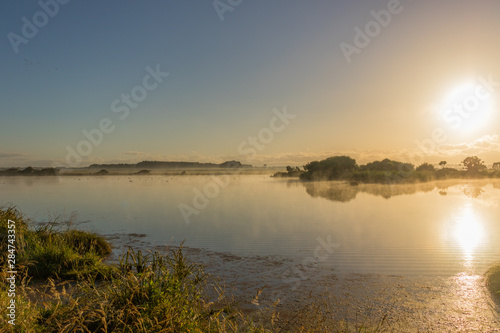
389,165
331,168
424,176
447,173
102,172
426,167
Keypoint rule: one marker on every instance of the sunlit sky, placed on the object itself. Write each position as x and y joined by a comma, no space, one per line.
414,79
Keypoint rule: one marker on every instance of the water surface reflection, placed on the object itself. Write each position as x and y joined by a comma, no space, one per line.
345,192
420,250
383,229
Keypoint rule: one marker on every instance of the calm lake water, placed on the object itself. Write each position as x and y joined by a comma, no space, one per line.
417,253
443,228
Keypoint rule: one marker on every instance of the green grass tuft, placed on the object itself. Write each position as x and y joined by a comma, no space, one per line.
47,252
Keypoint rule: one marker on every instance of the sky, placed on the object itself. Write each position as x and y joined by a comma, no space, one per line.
262,82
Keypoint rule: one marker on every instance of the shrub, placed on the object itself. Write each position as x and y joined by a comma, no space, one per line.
426,167
331,168
389,165
446,173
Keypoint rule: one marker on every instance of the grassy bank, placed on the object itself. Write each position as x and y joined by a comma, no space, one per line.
62,285
50,251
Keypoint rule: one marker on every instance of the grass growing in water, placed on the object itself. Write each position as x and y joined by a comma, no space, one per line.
151,293
49,252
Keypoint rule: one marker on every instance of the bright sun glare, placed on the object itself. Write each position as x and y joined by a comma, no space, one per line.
468,107
468,230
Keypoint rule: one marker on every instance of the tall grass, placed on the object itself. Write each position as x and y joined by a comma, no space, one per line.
150,293
51,251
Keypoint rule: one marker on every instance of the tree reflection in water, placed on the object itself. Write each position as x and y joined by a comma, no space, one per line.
344,192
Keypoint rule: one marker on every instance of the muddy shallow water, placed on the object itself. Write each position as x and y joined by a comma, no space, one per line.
415,303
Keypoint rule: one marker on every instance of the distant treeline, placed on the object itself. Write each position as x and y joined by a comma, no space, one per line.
170,165
388,171
29,171
142,166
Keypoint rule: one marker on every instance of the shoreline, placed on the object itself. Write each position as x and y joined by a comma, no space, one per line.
432,303
260,286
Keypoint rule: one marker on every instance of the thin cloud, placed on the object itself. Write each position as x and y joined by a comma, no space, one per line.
134,153
13,155
484,144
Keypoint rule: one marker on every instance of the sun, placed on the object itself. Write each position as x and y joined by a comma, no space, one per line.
467,107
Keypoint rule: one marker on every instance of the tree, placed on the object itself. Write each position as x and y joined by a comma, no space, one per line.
311,166
289,169
331,168
496,166
443,164
473,164
426,167
389,165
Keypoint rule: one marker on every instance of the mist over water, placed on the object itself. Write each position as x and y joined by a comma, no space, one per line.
441,228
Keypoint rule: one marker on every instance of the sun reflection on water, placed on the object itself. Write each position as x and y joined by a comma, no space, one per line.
469,232
467,293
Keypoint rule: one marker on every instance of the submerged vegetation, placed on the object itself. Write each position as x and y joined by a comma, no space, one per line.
388,171
62,285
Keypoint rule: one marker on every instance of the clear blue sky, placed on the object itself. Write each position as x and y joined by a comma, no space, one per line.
227,76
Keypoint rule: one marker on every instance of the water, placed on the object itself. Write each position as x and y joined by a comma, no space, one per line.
416,253
445,228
